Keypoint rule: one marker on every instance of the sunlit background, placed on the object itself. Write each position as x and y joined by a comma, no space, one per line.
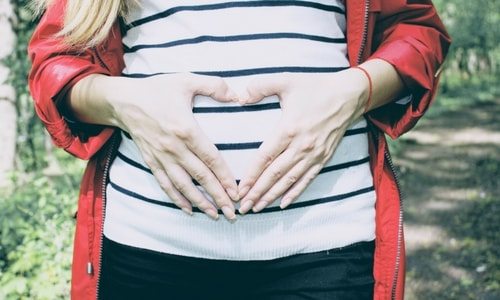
449,167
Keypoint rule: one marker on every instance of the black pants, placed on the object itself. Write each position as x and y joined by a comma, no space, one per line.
133,273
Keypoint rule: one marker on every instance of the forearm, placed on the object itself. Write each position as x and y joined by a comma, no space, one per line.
89,99
386,83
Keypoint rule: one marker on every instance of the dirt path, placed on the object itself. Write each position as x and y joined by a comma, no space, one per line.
450,170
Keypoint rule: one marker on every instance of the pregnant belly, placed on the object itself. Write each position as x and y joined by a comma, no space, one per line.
236,130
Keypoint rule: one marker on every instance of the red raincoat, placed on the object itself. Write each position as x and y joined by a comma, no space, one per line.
406,33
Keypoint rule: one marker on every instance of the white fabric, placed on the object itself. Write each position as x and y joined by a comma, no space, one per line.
267,235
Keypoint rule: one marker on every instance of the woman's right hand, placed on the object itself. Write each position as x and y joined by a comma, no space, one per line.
157,113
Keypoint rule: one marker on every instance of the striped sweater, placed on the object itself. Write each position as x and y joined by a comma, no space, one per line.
237,41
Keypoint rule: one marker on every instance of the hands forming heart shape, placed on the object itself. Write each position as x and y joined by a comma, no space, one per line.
317,108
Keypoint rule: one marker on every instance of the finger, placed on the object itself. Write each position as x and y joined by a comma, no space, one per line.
297,188
183,183
167,186
163,181
213,86
268,151
283,184
206,151
202,174
262,86
271,175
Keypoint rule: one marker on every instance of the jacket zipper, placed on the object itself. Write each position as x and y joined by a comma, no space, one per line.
365,32
400,224
391,166
107,163
103,195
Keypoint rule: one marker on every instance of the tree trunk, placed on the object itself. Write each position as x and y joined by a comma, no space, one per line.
8,113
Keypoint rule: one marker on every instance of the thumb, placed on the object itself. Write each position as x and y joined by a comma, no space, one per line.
264,86
215,87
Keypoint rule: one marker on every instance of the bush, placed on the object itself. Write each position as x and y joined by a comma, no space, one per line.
36,235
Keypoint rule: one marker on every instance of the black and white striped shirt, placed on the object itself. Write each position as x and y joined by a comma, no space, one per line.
239,40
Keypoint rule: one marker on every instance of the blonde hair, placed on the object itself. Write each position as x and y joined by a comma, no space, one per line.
88,22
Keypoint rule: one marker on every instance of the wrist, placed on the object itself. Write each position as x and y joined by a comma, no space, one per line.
366,90
116,91
359,86
88,100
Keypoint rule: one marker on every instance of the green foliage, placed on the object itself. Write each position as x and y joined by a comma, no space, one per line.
36,229
474,28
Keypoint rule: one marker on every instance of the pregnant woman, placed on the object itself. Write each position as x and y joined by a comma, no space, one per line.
268,113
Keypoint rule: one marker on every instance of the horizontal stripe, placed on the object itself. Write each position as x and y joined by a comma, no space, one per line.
345,165
235,109
356,131
226,5
255,145
238,146
237,21
233,38
133,163
137,165
225,146
246,72
327,169
253,237
265,210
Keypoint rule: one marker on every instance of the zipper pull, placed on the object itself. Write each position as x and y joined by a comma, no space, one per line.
90,269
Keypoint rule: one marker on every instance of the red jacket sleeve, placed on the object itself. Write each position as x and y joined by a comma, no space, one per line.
410,36
55,69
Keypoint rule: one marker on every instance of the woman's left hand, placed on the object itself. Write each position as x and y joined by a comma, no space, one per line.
317,109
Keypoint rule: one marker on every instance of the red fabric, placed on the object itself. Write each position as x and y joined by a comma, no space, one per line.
55,69
407,34
412,38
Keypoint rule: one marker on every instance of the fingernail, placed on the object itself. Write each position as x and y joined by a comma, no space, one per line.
245,207
260,206
212,213
243,191
187,211
228,212
233,194
285,202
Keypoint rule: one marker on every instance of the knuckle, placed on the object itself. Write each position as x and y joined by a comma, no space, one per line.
167,146
182,132
209,160
293,194
165,187
267,158
203,205
276,175
308,144
200,176
221,201
311,176
253,195
291,179
182,187
291,132
269,197
322,151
